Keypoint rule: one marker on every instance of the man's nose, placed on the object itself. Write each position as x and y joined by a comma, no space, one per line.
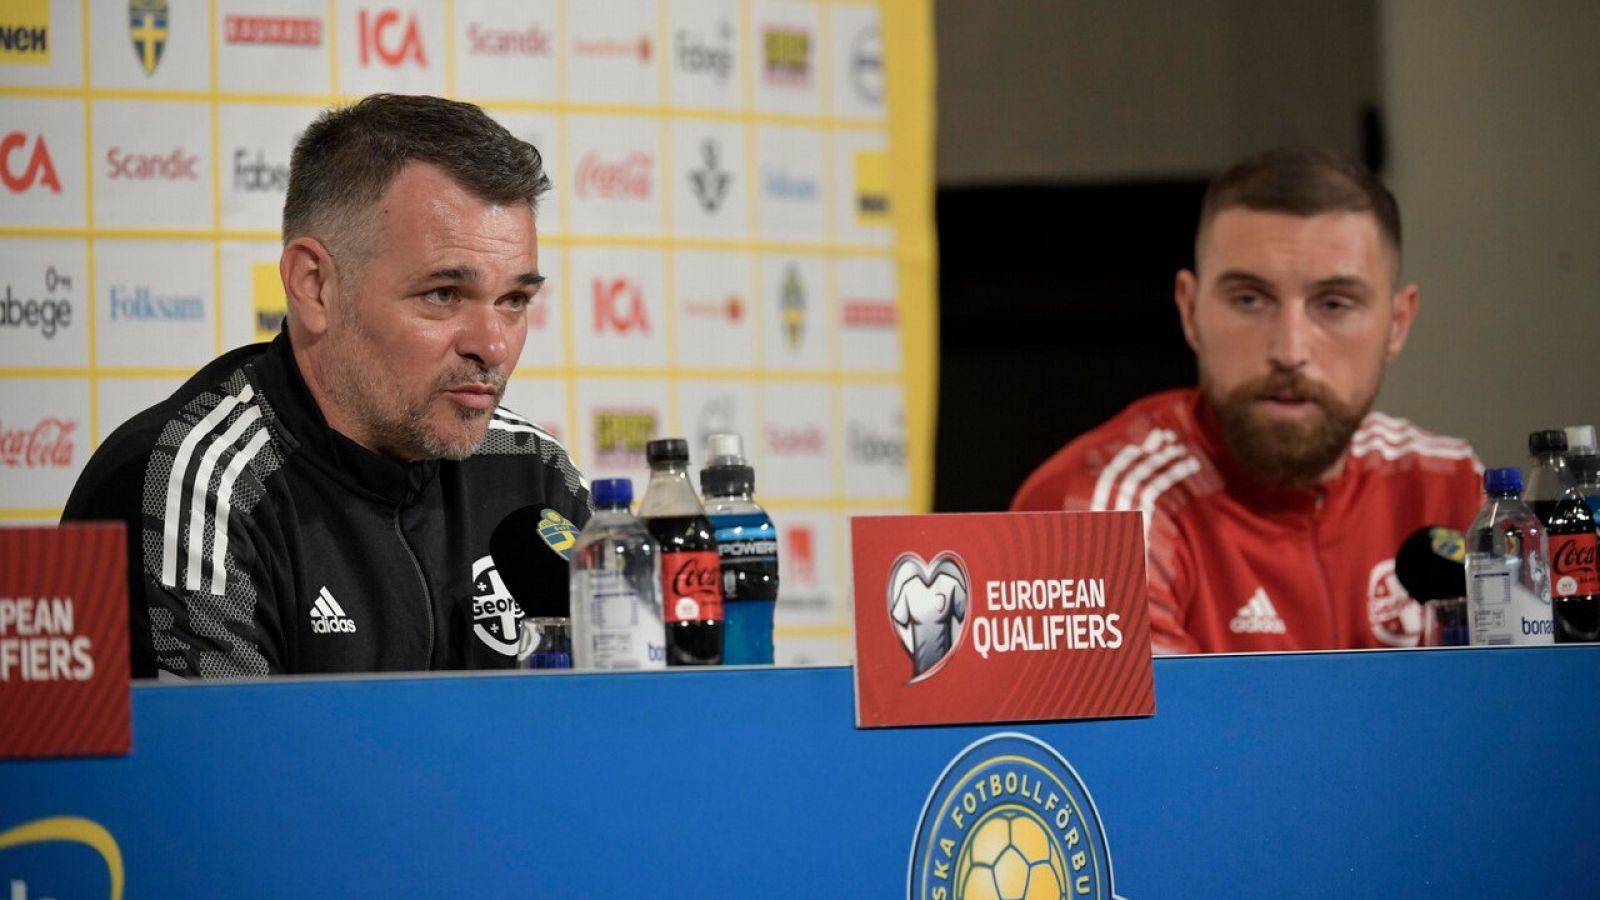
1290,344
483,335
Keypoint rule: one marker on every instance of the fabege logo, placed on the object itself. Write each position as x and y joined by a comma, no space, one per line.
619,306
384,36
1395,618
1009,817
626,179
178,165
45,445
495,613
38,170
48,315
147,28
698,56
928,606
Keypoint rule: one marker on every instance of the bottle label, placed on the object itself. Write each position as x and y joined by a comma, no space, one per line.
1501,610
1573,571
618,628
691,586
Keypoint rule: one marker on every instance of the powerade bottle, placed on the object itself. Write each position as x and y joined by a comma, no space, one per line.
1508,586
1574,546
691,577
616,587
748,546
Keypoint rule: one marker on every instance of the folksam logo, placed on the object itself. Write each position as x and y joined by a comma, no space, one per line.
1010,818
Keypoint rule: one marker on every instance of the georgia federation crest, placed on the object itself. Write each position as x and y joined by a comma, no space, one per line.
928,605
1009,818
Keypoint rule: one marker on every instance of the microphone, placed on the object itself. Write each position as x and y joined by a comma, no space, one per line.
529,548
1431,566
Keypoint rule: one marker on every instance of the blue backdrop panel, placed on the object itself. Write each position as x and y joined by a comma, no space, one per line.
1453,773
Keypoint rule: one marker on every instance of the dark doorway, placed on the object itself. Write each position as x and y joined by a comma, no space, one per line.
1055,312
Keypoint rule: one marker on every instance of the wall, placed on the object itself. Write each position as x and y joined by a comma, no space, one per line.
1495,131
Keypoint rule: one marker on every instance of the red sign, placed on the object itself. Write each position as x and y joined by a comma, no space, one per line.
37,169
384,35
64,640
1000,617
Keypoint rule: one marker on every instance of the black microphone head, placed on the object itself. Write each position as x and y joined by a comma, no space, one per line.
1431,564
530,547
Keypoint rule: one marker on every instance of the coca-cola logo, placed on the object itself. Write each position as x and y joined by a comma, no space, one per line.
1574,555
694,577
629,178
47,445
808,440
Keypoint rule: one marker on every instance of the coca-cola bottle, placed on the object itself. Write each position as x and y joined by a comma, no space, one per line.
1569,522
691,576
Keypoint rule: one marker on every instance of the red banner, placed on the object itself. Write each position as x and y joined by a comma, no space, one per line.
64,641
1002,617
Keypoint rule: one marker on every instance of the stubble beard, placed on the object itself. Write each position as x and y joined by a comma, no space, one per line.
400,426
1282,451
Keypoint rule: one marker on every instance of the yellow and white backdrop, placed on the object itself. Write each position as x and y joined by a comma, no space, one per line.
740,235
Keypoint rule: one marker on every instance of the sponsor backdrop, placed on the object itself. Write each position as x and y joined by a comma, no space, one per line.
740,235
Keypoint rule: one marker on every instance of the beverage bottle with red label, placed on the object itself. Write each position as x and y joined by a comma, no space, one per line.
691,575
1574,546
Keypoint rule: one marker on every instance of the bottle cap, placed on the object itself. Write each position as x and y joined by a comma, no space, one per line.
1585,468
1550,440
1580,437
613,492
727,480
1499,481
666,450
724,450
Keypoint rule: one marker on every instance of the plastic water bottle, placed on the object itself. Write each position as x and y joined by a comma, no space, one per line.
747,545
616,587
1508,581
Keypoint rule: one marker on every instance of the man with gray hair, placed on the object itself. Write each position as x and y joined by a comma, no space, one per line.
325,502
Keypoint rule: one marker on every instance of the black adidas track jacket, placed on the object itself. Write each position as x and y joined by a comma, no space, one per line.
261,541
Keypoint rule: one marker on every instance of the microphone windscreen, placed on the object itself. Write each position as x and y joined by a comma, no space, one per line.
527,548
1430,564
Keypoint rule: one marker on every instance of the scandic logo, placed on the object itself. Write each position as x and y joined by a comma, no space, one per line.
619,306
178,165
286,31
45,445
377,38
39,170
482,40
626,179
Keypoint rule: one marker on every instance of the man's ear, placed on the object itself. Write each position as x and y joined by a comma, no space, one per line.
1404,312
1185,290
309,282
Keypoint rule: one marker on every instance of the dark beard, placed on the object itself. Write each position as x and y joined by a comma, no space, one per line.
1281,452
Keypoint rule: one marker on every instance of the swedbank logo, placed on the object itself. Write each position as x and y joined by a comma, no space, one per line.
1009,818
66,829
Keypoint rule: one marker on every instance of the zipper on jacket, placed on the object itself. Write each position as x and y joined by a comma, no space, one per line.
427,595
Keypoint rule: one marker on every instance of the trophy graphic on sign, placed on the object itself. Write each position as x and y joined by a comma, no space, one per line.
928,605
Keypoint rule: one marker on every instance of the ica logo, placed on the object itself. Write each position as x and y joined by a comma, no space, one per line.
384,35
21,168
619,306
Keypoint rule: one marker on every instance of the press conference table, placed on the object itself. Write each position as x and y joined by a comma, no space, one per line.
1432,773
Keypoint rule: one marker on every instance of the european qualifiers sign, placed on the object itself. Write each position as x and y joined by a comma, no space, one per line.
64,641
1002,617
